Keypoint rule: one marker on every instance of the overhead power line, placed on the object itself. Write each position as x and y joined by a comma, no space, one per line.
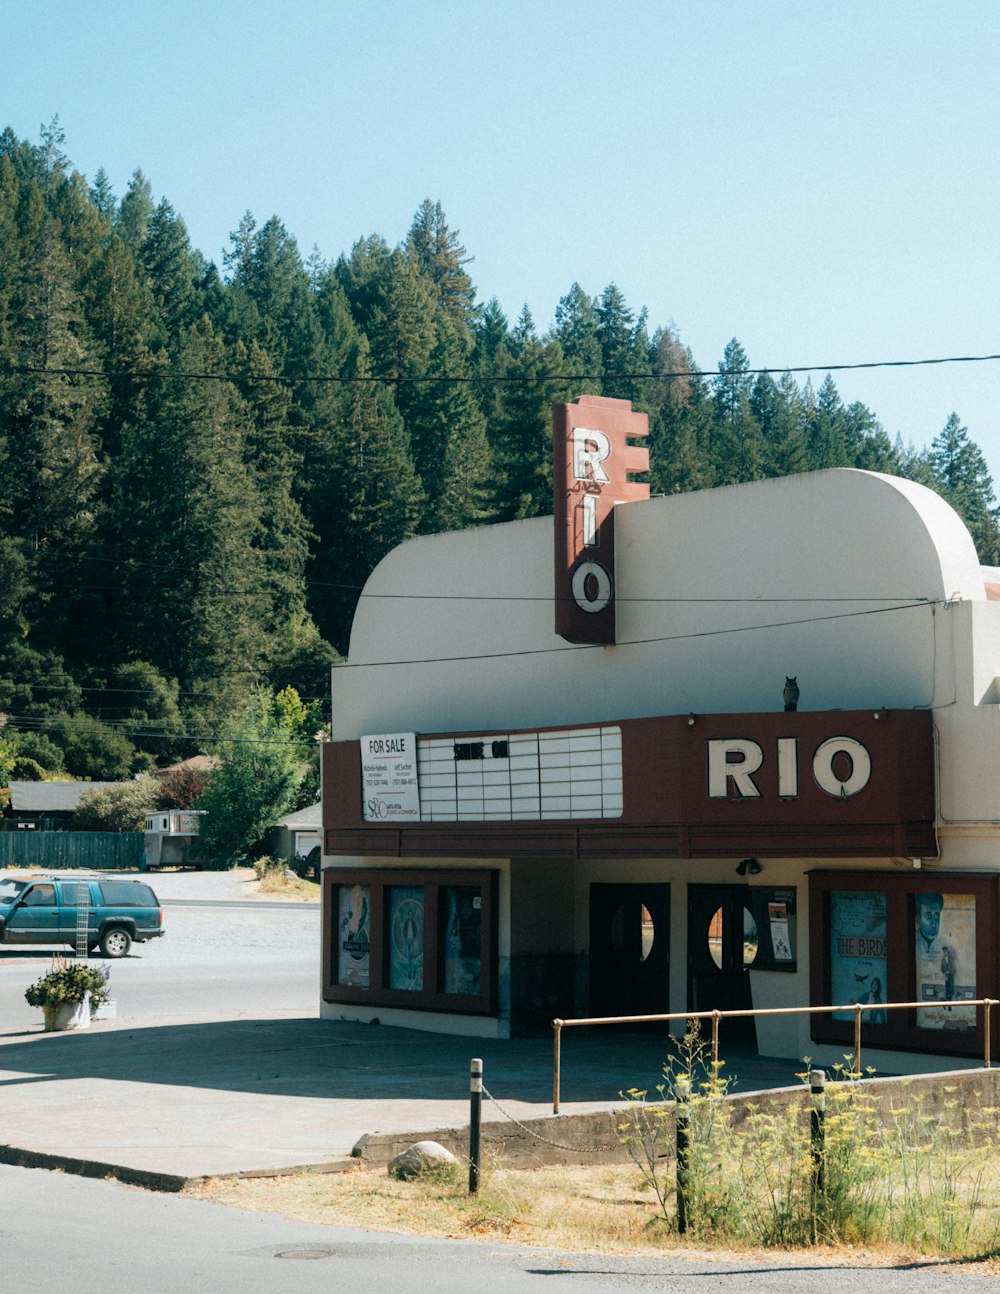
393,379
637,642
32,723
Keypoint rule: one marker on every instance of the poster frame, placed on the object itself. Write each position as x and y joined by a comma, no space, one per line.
901,1032
434,882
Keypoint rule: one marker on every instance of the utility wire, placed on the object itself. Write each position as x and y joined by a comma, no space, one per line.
293,379
31,723
904,605
635,642
552,599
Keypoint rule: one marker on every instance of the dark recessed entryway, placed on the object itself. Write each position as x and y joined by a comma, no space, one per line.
722,946
629,949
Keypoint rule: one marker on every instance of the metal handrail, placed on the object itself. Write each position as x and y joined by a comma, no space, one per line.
715,1016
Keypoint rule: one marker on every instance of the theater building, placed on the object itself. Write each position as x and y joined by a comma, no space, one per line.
730,749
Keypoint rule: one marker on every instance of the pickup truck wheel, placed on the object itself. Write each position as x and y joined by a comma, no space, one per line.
116,942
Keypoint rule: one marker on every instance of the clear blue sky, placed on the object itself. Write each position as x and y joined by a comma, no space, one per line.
818,180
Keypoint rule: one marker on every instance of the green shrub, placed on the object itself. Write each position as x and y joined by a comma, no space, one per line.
68,983
267,866
754,1176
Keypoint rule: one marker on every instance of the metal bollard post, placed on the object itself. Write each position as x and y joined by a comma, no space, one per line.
716,1017
682,1095
475,1121
817,1138
556,1063
856,1073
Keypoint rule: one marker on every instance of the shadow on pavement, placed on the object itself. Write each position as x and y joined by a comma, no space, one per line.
327,1058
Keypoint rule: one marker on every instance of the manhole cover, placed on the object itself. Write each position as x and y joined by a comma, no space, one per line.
305,1253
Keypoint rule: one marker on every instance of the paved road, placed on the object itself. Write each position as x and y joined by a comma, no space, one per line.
222,956
62,1232
195,1071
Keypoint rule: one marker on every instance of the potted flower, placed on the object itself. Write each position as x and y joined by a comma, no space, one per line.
69,994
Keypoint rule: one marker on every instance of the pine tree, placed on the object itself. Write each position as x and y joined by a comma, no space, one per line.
120,310
680,424
184,525
367,499
443,259
491,356
54,161
50,472
135,212
739,451
403,325
624,348
827,430
172,271
448,439
102,195
363,275
786,445
867,444
575,330
960,475
271,291
273,464
521,429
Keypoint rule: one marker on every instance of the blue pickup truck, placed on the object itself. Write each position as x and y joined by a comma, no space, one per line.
110,913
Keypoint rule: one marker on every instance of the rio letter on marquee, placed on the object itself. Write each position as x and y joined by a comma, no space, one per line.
593,460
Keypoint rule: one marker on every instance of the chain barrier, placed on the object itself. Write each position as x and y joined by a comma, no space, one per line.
557,1145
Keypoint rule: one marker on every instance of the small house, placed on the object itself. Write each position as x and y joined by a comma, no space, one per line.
46,806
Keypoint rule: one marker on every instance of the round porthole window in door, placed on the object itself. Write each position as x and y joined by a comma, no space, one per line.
721,940
623,935
750,939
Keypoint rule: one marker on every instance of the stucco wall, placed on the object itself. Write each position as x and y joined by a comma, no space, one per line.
865,587
721,594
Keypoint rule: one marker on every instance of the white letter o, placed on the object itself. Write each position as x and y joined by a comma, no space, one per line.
828,781
579,587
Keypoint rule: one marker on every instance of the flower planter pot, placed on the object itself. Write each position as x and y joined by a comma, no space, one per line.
67,1015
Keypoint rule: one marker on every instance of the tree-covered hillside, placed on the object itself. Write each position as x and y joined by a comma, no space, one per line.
199,466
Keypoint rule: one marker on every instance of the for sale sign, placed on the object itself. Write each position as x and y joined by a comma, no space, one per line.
390,792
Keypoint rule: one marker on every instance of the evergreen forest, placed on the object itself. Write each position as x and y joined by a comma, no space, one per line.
201,464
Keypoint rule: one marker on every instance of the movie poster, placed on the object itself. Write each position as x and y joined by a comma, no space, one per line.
858,952
406,937
781,940
463,914
945,939
353,940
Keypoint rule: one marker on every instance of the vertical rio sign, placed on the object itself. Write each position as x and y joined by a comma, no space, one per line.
593,460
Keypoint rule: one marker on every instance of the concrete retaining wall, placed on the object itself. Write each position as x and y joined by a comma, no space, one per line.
593,1138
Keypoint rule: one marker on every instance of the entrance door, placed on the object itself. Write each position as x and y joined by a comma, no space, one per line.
722,946
629,949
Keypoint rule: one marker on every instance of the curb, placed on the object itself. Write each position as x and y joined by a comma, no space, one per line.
151,1180
569,1139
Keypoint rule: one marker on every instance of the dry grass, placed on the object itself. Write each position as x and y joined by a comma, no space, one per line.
581,1208
275,885
597,1210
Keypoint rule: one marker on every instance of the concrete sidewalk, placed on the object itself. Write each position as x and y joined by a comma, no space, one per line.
164,1102
167,1103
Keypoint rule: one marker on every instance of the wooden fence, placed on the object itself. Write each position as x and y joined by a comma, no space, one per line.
93,850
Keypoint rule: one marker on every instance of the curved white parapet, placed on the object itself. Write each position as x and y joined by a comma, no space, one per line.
833,578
